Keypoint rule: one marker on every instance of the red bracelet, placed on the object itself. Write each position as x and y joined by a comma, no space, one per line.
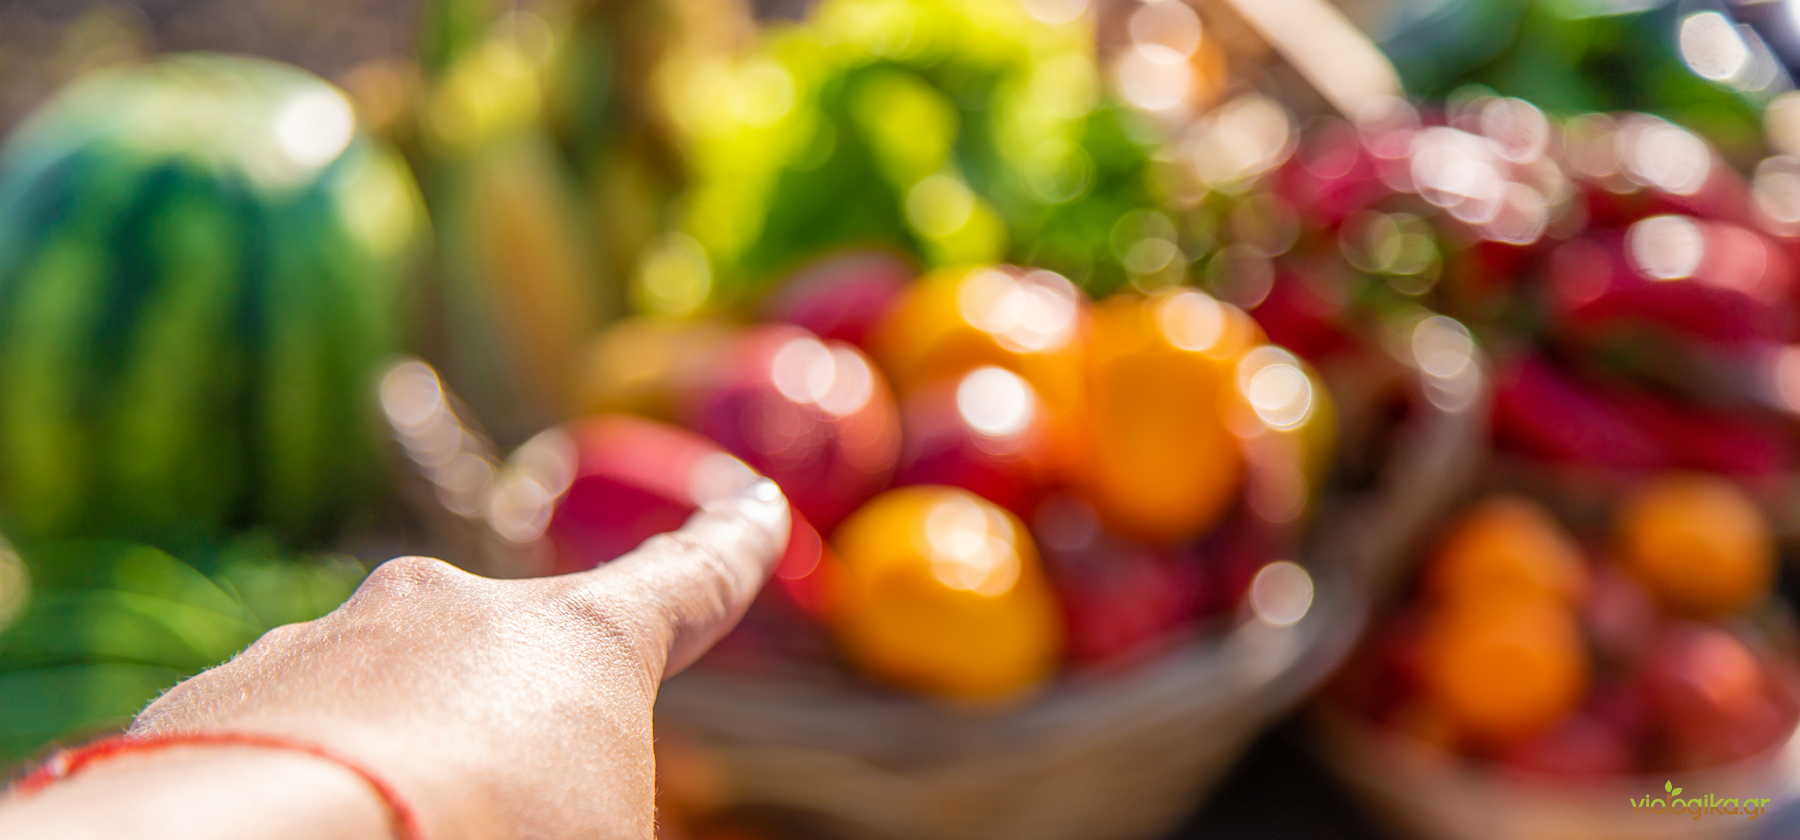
66,763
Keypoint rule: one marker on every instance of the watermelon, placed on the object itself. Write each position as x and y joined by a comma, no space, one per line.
201,267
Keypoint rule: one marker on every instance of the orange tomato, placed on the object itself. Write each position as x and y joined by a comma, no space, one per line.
648,365
1031,322
940,591
1504,668
1699,543
1160,462
1507,545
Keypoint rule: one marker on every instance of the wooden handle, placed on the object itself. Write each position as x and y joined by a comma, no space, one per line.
1340,62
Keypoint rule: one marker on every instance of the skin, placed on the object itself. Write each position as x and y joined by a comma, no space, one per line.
496,708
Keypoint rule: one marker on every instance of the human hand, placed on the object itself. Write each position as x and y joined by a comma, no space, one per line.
498,708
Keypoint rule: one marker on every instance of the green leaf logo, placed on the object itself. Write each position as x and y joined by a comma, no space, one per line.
1671,789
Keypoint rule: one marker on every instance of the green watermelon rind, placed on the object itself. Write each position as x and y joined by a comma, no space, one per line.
189,333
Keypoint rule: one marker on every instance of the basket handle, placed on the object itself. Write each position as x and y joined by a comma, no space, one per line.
1336,58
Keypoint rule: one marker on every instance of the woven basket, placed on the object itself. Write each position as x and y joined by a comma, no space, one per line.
1121,758
1426,793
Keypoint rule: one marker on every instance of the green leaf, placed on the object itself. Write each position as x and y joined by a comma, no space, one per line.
276,589
104,625
107,625
70,702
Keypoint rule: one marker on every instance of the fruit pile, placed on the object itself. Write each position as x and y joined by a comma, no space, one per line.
1637,294
1653,646
1011,476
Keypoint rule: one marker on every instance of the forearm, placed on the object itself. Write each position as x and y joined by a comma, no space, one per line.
203,793
278,789
487,709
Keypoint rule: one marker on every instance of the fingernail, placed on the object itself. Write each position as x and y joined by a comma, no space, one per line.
763,504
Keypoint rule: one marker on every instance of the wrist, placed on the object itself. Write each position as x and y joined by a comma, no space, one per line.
432,791
202,791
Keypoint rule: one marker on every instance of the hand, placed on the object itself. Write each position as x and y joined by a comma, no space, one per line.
497,708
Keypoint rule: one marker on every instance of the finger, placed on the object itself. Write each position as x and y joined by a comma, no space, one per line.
698,580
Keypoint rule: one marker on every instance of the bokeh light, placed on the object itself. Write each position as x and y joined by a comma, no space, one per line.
971,546
996,402
1281,594
1666,247
1031,313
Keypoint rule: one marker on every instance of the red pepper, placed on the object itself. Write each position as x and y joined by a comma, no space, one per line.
1542,411
1737,443
1636,165
1593,282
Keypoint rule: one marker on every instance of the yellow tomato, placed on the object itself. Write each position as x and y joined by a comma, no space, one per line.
647,365
940,591
1699,543
1506,667
1159,460
952,321
1506,545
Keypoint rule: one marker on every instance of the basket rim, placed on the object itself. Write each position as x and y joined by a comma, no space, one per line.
1349,744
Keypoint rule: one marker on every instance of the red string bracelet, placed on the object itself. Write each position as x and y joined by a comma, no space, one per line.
67,763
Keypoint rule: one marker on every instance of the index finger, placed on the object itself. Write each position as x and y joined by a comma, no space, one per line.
697,581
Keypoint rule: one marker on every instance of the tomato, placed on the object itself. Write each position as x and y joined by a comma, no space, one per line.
941,592
1504,669
594,489
1699,543
985,432
1160,462
813,415
648,366
1508,545
1031,322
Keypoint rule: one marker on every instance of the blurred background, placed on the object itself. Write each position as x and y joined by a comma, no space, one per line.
1221,418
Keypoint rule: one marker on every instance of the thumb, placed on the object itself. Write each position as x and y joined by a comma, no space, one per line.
697,581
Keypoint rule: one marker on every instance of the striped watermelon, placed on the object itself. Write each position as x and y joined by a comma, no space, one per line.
200,268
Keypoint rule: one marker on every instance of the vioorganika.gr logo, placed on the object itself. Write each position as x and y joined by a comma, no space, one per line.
1697,806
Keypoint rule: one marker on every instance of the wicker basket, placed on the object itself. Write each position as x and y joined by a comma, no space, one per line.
1426,793
1125,757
